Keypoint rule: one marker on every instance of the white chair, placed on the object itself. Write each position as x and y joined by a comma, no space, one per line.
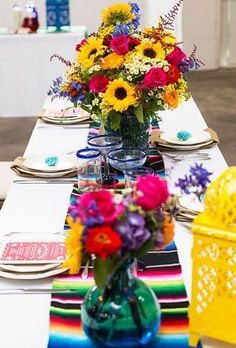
6,177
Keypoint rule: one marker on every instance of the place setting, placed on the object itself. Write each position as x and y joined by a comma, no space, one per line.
44,168
184,140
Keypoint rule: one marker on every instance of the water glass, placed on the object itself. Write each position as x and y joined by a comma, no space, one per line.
89,170
132,175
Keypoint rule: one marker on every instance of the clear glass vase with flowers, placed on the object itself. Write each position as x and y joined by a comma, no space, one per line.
111,231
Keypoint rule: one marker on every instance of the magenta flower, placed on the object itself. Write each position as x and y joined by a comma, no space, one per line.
151,192
176,57
98,83
99,208
120,44
156,77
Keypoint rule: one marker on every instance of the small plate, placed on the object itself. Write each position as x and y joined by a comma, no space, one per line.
65,121
191,203
29,276
186,147
38,163
28,268
198,137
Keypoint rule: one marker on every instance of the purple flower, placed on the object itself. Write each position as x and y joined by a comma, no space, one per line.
183,184
121,29
199,176
132,231
136,12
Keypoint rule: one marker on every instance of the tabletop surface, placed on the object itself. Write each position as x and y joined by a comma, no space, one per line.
42,208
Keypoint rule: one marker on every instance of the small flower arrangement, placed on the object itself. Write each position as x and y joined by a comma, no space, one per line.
196,182
122,70
112,229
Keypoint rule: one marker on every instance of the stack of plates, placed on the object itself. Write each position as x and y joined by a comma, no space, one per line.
37,167
65,117
25,256
189,207
200,138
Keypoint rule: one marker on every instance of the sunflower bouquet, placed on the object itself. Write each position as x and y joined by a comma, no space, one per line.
113,229
122,70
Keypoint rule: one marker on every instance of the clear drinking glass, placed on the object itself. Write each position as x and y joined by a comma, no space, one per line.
105,143
132,175
89,170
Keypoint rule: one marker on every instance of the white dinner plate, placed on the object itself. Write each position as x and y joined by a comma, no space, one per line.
66,121
198,137
186,147
191,202
29,276
38,163
28,268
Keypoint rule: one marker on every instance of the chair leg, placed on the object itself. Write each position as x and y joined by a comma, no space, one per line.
193,339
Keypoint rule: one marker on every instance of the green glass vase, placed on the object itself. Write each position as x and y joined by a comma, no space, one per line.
133,132
125,313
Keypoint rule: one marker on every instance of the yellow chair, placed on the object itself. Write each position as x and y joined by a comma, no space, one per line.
213,306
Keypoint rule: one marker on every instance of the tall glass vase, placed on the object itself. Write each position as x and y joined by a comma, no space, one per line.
133,132
125,313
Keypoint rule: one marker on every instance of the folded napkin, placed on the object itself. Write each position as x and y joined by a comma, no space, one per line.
162,144
20,169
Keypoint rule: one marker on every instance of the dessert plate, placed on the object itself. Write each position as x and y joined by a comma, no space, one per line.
197,137
38,163
31,276
191,203
28,268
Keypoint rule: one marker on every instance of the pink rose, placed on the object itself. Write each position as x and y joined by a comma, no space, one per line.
152,192
99,208
156,77
120,44
176,56
98,83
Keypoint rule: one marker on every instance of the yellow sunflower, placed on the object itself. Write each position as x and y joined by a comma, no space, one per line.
151,50
88,52
112,61
74,246
120,95
117,13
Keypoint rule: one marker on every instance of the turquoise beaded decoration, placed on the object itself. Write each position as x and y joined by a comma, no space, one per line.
51,161
184,135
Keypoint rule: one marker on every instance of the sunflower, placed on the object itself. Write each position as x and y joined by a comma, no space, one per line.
117,13
112,61
74,246
89,51
120,95
151,50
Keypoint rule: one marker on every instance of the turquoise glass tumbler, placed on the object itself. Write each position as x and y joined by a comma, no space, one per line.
125,313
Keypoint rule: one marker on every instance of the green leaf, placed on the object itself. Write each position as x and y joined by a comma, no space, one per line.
117,263
101,272
145,248
115,120
139,113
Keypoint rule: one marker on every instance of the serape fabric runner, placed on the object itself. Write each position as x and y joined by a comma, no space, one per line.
162,273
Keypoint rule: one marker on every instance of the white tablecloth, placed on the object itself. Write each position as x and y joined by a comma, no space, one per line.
25,70
42,208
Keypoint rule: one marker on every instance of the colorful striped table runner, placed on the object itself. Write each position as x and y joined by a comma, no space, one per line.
162,273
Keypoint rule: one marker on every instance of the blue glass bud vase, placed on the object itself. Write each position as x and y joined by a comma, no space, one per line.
133,132
125,313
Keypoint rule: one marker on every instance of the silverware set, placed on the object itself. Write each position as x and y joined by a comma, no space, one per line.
43,181
187,156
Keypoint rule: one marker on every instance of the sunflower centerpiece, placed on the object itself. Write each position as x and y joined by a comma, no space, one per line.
123,75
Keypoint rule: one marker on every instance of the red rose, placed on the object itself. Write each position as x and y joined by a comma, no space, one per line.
98,83
173,74
156,77
120,44
176,56
133,42
83,42
102,241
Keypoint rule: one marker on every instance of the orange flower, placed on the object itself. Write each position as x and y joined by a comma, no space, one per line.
171,98
112,61
168,231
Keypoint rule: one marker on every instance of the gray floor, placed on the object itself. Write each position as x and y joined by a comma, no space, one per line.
214,92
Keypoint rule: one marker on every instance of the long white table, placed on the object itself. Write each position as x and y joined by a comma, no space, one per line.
38,209
26,71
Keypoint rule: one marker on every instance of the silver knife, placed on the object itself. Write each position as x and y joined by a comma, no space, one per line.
50,181
25,291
